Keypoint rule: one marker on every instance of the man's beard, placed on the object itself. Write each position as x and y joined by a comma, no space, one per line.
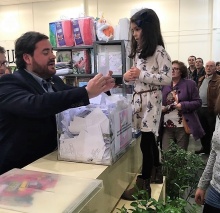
41,71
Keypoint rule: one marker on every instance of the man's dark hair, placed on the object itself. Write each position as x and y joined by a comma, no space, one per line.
26,44
2,50
182,68
200,59
151,36
192,56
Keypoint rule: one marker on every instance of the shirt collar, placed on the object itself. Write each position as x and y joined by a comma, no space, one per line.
37,78
208,76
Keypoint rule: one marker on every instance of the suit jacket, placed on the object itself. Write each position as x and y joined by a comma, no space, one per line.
196,75
27,117
212,91
188,96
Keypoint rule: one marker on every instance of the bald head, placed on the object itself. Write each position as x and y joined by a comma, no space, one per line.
210,67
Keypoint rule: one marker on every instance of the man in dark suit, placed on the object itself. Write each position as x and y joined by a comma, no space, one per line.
199,71
30,99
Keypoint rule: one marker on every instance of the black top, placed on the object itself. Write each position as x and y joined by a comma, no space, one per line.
197,75
27,117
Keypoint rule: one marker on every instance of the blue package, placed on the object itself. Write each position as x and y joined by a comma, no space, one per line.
52,33
77,33
60,35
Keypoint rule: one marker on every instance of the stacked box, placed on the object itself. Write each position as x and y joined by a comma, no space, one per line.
84,31
61,33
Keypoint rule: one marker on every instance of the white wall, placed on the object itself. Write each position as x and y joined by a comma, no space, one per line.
18,19
189,27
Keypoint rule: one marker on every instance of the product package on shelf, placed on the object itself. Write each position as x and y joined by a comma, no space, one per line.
110,61
61,33
26,191
81,62
82,82
84,30
64,56
64,62
98,133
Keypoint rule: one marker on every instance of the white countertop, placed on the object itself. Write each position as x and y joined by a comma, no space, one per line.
49,163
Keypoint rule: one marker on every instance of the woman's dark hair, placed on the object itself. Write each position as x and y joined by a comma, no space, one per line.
151,36
26,44
182,68
217,63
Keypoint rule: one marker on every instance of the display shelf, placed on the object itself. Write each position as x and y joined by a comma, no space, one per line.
80,75
73,47
115,45
111,42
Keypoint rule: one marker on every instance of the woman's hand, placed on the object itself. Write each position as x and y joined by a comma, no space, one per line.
135,72
200,196
164,108
128,76
178,106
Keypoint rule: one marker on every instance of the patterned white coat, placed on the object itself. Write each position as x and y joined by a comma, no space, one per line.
156,71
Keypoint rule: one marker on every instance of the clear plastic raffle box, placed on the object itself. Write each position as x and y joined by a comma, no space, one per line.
41,192
97,133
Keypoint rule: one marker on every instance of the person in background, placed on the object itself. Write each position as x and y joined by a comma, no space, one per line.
218,67
208,191
180,99
192,66
8,70
31,97
209,88
200,70
151,70
3,61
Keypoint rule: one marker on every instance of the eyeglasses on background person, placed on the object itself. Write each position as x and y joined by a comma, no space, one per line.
4,64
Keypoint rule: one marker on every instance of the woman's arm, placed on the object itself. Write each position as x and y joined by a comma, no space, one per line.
163,75
193,101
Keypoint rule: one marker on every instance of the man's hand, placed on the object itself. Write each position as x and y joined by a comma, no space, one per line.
100,84
200,196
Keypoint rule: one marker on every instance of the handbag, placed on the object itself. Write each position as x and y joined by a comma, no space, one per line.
185,124
186,127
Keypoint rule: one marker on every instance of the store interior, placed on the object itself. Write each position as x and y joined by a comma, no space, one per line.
189,27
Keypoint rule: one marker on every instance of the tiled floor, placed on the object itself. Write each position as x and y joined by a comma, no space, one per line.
196,145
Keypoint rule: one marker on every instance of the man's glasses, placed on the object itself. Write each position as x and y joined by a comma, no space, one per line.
4,64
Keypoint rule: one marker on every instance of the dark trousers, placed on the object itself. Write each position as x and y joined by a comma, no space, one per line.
150,153
207,120
210,209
